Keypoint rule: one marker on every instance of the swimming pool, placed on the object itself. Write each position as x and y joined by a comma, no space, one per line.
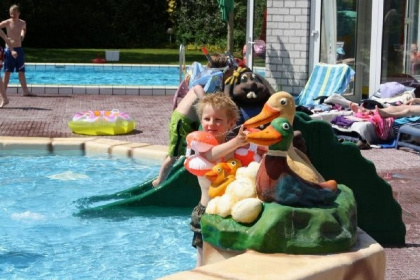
100,74
103,79
43,239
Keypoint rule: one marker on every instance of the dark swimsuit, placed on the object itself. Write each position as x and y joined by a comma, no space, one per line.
196,214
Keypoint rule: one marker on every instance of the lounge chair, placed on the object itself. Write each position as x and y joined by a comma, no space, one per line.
325,80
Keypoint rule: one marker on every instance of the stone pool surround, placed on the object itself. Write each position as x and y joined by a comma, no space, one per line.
366,260
87,146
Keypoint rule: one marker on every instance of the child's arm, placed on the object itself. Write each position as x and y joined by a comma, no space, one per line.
199,91
413,101
6,39
221,150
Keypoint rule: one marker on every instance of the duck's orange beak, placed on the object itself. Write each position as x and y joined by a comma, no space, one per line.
211,175
266,137
266,115
214,175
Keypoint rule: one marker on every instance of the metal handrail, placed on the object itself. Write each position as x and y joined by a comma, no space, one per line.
181,62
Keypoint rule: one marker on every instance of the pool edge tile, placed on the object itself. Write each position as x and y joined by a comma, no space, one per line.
87,146
63,145
41,144
101,146
155,152
126,149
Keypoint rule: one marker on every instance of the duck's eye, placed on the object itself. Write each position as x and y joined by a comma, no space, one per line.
219,169
253,76
233,163
244,78
286,126
283,101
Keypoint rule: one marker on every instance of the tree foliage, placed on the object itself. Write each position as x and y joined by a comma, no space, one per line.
128,23
199,23
93,23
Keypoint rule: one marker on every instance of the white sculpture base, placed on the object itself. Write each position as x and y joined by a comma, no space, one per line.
366,260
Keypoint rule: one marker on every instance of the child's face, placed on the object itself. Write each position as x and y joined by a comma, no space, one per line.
216,122
13,13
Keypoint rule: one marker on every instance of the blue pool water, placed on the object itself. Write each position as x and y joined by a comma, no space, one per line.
100,74
41,238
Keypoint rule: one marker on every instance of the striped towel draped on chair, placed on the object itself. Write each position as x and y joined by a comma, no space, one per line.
325,80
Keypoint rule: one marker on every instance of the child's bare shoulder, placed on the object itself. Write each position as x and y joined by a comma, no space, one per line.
6,22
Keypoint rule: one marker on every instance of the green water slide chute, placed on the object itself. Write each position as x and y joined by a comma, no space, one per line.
181,189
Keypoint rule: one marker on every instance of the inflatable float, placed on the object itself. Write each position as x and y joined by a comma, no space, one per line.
101,123
99,59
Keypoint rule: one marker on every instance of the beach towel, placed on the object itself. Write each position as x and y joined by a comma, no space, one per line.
383,126
325,80
209,78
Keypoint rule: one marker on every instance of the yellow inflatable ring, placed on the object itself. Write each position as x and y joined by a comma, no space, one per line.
101,123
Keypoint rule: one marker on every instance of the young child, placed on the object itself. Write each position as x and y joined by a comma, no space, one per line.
184,120
218,115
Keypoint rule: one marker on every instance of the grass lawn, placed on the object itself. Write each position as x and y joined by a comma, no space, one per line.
129,56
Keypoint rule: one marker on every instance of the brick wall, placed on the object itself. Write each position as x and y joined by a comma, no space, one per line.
287,57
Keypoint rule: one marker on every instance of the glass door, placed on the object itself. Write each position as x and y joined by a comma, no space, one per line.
401,40
341,33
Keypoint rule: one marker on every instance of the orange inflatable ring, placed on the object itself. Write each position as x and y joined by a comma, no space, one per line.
99,59
199,141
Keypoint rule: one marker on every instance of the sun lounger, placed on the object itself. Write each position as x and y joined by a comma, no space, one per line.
412,129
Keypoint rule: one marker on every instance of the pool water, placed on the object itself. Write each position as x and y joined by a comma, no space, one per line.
104,75
99,75
41,238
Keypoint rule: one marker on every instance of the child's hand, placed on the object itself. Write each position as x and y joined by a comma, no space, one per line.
14,54
241,137
10,42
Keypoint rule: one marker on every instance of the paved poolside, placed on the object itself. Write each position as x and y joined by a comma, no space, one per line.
48,114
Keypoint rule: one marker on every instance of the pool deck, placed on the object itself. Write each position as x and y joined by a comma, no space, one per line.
44,118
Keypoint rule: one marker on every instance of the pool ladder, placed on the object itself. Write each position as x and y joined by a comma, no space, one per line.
182,69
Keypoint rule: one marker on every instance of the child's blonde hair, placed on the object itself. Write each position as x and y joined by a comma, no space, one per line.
218,100
14,7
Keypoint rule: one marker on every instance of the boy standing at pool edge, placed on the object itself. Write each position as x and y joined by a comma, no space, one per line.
218,115
14,57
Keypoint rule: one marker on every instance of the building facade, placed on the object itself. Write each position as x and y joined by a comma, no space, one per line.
377,38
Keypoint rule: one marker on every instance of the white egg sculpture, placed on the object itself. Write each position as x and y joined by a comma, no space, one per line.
247,210
212,206
242,188
248,172
224,205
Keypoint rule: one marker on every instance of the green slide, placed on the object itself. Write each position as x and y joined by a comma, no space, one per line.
378,213
181,189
